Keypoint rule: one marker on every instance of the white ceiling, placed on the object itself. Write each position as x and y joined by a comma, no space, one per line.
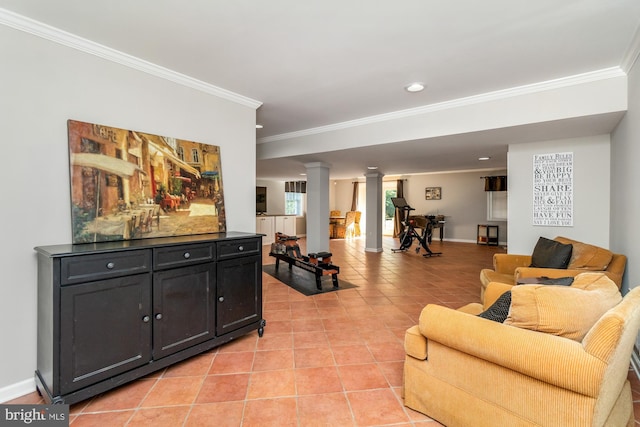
317,63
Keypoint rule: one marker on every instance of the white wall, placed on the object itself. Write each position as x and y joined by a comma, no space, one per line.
43,85
591,178
625,176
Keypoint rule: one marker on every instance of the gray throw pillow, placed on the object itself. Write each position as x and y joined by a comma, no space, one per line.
499,310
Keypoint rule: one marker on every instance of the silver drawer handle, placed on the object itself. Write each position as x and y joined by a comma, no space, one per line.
110,265
241,248
187,255
221,299
146,319
158,316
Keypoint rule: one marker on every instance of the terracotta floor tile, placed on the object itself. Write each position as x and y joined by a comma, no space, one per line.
128,397
231,363
197,365
223,388
393,372
272,360
222,414
111,419
280,326
173,391
376,407
352,354
362,377
388,351
325,410
312,357
271,413
271,384
160,417
275,341
317,381
310,339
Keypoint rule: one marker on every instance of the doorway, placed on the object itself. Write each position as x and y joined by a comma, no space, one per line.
390,190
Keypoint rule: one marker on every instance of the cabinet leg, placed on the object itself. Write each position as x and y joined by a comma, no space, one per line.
334,279
319,282
263,323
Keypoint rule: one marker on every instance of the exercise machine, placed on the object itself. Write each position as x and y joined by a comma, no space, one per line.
410,233
286,249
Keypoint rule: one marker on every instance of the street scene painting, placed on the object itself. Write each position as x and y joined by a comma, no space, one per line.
132,185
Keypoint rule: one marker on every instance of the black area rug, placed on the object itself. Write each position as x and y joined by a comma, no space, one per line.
304,281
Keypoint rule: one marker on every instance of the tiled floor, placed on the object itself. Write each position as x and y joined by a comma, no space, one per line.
333,359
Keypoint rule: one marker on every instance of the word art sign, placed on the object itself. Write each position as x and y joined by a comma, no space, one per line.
553,189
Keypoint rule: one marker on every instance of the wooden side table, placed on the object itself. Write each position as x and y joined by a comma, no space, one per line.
488,235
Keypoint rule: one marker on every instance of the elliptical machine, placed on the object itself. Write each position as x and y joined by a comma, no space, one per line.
410,233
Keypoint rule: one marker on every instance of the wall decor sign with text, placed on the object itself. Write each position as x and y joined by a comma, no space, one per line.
128,184
553,189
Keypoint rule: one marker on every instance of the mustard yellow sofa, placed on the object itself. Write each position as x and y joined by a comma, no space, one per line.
510,268
465,370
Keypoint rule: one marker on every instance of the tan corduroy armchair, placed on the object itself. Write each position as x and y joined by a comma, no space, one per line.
464,370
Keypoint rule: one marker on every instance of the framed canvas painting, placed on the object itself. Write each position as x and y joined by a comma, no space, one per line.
128,184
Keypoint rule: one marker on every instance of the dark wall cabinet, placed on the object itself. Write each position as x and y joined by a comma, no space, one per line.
109,313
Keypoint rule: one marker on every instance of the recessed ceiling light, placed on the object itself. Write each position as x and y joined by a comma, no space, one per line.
372,168
414,87
259,126
303,174
484,158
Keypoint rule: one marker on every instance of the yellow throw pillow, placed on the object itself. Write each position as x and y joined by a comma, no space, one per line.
566,311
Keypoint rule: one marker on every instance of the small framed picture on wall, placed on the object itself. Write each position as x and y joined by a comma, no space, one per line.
433,193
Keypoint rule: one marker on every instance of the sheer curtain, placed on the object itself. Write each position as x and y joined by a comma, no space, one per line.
398,218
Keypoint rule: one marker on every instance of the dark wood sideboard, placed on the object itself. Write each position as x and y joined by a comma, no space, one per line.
112,312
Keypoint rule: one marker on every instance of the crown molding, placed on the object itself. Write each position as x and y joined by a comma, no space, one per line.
633,51
456,103
56,35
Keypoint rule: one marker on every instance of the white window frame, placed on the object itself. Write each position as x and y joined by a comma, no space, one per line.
497,206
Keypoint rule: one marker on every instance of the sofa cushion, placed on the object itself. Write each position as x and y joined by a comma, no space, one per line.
499,310
551,254
566,311
586,256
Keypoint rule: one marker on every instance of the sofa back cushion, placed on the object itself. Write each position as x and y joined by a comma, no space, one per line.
586,256
566,311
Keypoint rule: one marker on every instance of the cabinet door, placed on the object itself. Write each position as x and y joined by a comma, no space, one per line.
105,329
239,293
265,225
183,308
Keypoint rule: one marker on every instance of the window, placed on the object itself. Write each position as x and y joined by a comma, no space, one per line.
180,152
294,203
195,156
496,205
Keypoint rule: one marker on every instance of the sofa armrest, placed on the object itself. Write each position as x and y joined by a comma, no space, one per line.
507,263
555,360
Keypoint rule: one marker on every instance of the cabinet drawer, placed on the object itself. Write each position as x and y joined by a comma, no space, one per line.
234,248
87,268
173,256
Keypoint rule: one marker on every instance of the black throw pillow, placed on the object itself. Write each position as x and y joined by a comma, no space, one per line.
551,254
499,310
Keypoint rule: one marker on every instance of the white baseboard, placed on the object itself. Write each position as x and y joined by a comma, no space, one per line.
16,390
